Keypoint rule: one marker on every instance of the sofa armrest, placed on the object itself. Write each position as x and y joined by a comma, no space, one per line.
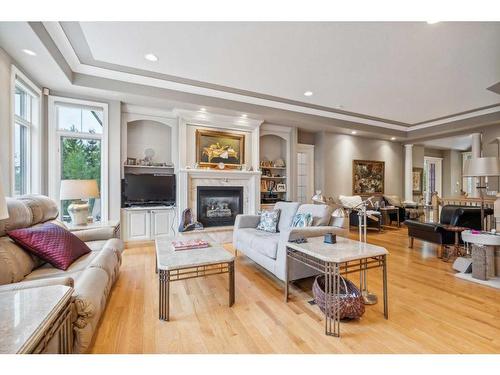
246,221
96,234
66,281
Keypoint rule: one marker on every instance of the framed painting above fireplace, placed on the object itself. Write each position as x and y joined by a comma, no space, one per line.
214,147
367,177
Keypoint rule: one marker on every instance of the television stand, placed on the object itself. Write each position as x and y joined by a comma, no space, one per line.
144,223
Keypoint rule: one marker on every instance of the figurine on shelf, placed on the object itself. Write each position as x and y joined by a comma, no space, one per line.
279,163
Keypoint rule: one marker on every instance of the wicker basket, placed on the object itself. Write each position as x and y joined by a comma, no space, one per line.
350,300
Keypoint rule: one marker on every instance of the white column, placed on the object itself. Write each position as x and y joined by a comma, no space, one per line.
476,153
408,173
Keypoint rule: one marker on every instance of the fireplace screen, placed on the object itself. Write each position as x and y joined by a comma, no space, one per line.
219,205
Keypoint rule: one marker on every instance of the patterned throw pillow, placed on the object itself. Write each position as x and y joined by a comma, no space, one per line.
269,221
51,243
302,220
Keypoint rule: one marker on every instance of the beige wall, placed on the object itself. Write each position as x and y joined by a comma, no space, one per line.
5,72
334,154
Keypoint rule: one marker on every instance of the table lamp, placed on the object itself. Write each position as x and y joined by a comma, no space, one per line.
79,190
318,198
482,167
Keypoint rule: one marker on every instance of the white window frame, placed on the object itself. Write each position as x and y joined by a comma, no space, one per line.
33,132
55,136
466,181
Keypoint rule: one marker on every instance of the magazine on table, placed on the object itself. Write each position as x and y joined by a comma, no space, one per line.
189,244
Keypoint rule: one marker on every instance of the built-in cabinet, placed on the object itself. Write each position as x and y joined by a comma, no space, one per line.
145,223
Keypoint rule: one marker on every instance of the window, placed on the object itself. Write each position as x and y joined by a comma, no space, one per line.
26,113
78,132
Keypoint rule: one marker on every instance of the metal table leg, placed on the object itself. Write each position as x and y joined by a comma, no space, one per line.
384,272
286,275
164,294
332,288
231,283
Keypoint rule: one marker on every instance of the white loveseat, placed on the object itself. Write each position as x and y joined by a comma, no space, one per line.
92,275
269,249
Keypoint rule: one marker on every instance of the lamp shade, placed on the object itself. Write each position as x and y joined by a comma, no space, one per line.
4,213
79,189
318,197
482,167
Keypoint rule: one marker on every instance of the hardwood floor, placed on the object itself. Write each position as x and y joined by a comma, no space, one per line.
430,310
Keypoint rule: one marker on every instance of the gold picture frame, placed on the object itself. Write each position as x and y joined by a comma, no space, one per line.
368,177
214,147
417,180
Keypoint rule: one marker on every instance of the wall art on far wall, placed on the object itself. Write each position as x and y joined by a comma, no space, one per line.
367,177
417,180
214,147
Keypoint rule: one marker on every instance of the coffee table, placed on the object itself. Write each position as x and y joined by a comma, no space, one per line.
174,265
346,256
32,318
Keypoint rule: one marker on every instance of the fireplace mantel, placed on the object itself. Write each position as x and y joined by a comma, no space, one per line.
190,179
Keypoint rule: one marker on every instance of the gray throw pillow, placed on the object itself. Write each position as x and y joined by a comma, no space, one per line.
269,221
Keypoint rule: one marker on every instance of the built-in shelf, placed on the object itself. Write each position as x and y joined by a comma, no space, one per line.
272,167
148,166
272,177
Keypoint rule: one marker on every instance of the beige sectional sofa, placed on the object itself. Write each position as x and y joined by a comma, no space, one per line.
92,275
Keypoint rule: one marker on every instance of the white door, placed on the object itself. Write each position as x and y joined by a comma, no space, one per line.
305,173
161,222
432,177
138,226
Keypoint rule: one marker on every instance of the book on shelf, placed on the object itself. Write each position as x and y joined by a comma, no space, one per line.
189,244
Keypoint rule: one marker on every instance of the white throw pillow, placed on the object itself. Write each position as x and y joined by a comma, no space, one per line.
350,201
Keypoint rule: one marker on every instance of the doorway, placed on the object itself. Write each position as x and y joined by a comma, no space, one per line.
305,173
433,177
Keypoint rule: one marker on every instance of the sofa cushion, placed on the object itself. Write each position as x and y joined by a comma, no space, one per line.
20,216
288,210
15,262
42,208
321,213
265,243
47,270
51,243
350,201
269,221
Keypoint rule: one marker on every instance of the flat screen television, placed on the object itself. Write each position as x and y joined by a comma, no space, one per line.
144,189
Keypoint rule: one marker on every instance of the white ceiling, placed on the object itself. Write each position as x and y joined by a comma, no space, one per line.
408,72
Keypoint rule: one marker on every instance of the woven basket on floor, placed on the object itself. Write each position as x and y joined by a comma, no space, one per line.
350,301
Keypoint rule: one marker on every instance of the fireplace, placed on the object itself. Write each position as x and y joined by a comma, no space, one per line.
218,205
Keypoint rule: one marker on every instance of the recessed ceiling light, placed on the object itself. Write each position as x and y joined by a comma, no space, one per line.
29,52
354,132
393,138
308,93
432,22
151,57
203,109
244,115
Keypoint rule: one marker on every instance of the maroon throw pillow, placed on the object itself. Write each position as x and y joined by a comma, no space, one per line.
52,243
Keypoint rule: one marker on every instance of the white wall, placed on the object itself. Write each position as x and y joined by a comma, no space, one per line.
144,134
334,154
272,148
5,135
